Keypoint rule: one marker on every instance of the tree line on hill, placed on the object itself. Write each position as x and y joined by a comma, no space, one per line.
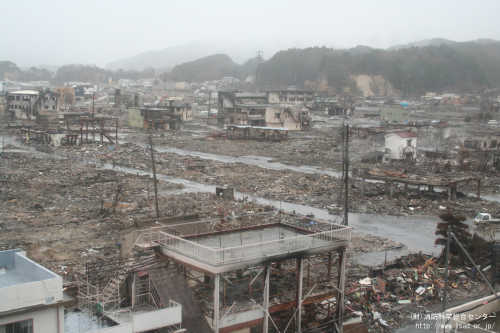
412,70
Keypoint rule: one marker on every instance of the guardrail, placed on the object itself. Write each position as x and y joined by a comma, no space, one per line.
226,255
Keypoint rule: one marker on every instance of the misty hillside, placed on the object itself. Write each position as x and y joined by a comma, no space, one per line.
68,73
443,65
204,69
424,43
94,74
164,59
10,71
414,70
213,67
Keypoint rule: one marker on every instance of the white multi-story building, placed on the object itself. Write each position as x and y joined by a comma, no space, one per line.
31,296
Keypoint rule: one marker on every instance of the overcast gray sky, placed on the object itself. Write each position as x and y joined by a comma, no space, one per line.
57,32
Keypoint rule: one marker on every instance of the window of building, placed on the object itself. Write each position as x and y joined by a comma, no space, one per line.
408,143
25,326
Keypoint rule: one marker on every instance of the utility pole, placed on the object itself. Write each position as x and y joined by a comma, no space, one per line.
209,105
154,176
345,168
93,115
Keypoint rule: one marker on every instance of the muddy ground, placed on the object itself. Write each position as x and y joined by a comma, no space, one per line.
316,190
75,203
63,211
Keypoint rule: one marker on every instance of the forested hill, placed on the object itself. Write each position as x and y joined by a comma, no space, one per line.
411,70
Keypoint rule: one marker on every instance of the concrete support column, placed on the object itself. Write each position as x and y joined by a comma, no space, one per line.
449,192
340,294
430,188
479,188
300,275
216,303
362,187
265,325
391,189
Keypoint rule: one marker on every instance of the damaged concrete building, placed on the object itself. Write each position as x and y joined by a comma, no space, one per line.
23,104
166,116
251,273
293,97
32,104
401,145
262,109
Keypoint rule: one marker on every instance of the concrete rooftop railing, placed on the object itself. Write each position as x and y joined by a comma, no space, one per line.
337,236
